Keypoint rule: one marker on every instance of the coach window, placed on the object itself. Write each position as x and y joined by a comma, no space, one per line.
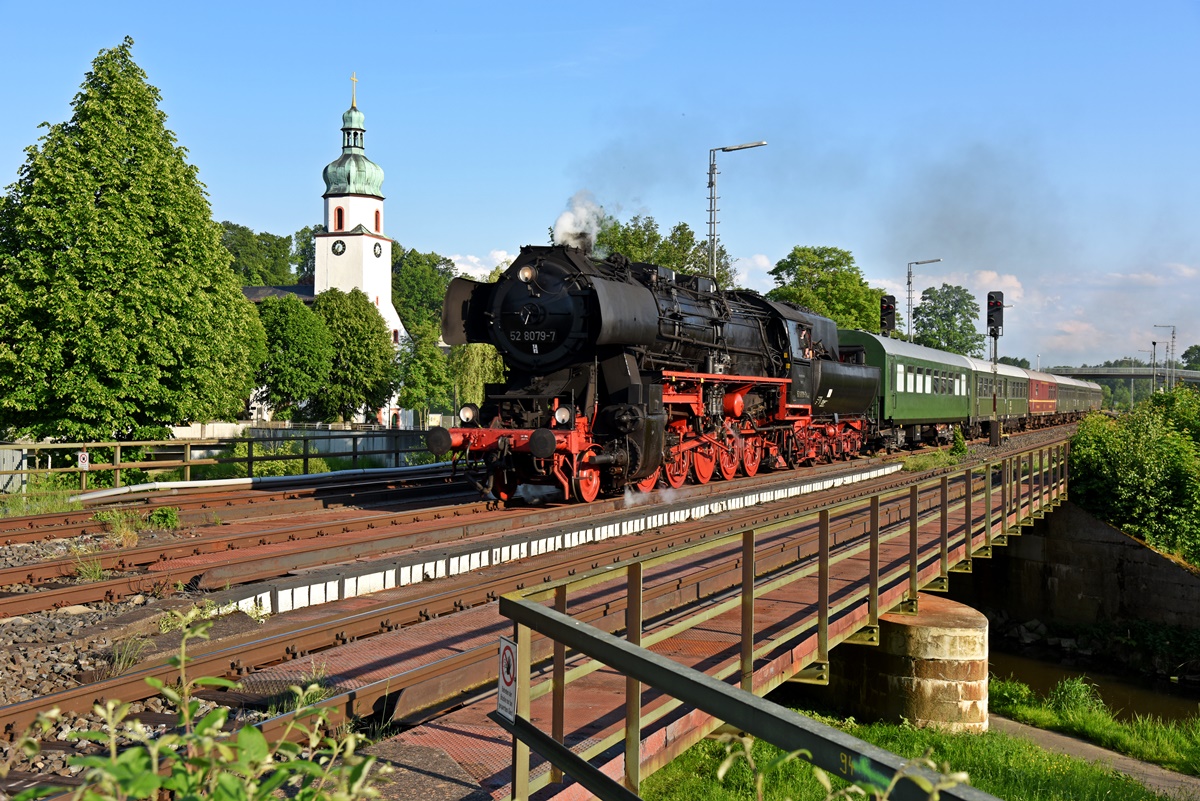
899,377
928,380
909,379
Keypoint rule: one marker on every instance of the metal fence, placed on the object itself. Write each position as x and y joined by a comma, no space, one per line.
374,447
998,498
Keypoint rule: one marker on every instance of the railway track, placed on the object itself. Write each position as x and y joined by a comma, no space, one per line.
322,630
199,506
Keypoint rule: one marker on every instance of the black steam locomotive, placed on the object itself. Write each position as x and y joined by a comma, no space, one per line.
622,373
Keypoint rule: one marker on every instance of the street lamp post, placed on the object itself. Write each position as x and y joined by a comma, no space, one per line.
712,199
911,264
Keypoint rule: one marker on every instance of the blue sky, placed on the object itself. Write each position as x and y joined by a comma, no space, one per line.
1049,150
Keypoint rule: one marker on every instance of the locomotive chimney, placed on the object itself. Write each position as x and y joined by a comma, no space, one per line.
579,225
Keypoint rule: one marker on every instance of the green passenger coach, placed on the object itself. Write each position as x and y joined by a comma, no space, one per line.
924,393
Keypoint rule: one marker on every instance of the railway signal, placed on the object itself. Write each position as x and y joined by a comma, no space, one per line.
995,313
887,314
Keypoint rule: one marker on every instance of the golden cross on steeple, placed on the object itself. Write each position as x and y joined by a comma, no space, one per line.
354,90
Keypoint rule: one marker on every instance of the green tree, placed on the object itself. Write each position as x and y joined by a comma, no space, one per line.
1014,361
419,283
260,259
826,280
299,354
474,365
304,253
118,311
425,382
679,250
945,319
1191,358
363,374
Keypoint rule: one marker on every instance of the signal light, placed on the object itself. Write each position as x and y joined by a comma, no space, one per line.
995,313
887,314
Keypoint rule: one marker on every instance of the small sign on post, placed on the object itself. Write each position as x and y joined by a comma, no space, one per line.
84,460
506,699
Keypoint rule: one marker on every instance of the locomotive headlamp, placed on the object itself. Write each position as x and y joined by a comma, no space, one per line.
527,274
469,413
564,415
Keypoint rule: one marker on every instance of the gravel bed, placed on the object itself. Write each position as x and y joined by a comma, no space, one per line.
59,746
52,651
24,553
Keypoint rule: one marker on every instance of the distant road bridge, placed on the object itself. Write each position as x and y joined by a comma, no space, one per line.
1181,376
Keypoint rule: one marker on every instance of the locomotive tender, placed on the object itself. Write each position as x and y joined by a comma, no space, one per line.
620,373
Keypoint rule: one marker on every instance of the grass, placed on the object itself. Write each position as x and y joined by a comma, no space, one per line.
1073,707
124,656
122,526
1006,767
86,568
45,494
921,462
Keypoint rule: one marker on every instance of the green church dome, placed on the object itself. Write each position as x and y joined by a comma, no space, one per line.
353,173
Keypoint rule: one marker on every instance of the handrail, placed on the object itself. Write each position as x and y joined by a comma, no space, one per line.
1026,487
389,447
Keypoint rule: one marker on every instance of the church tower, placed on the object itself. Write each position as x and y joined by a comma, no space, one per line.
354,252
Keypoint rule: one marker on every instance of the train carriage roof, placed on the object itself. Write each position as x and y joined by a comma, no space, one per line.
1075,382
1006,370
904,349
1037,375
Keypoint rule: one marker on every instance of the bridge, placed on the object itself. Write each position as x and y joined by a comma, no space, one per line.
635,679
1148,373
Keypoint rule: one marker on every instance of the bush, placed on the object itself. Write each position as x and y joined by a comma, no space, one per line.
1141,472
164,517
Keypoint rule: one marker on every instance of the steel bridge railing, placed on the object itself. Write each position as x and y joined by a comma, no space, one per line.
995,500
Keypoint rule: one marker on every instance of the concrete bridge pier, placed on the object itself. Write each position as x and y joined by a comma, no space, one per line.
930,669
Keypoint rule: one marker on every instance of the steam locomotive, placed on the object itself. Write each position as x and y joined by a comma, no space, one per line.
621,374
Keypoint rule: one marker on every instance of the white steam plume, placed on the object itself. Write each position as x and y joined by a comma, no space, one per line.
579,225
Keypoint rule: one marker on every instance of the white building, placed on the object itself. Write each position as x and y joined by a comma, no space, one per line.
354,252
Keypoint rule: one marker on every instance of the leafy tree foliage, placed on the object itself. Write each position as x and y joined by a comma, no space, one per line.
363,374
259,259
118,311
419,283
304,253
680,250
1014,361
826,280
425,381
1191,358
945,319
472,366
299,354
1141,472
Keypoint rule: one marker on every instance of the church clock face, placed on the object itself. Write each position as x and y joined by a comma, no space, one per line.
378,250
339,247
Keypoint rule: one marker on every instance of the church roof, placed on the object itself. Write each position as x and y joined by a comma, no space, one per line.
353,173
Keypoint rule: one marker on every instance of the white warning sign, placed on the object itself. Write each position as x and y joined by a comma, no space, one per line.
506,699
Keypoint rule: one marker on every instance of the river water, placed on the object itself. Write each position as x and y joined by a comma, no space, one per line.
1124,698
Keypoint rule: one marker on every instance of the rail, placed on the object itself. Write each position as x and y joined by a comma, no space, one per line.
381,447
997,499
